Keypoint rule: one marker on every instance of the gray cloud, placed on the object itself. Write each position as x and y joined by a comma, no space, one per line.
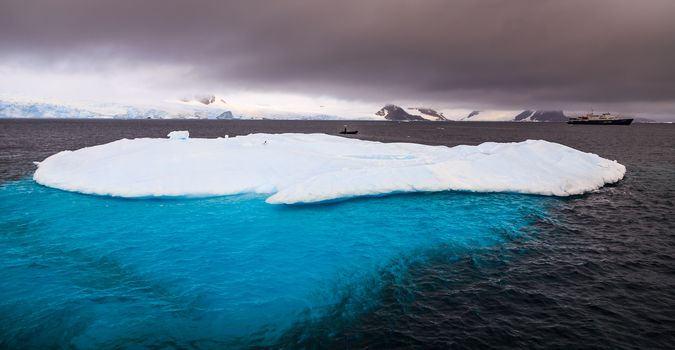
494,53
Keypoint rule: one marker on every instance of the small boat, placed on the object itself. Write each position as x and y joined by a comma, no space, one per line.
600,119
348,132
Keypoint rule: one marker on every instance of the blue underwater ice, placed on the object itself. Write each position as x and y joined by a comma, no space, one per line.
88,272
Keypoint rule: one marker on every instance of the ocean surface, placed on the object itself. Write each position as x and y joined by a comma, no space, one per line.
427,270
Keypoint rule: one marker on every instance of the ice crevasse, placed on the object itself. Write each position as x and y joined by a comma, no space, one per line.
306,168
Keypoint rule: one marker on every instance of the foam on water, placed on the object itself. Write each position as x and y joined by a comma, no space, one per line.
89,272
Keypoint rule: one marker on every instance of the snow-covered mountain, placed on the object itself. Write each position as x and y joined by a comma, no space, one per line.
428,113
515,116
39,109
10,109
205,100
216,107
197,107
541,116
393,112
396,113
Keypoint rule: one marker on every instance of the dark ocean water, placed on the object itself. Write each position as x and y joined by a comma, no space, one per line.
498,271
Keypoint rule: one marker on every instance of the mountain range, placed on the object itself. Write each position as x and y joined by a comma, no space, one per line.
524,116
214,107
396,113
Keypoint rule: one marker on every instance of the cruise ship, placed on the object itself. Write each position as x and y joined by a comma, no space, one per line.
600,119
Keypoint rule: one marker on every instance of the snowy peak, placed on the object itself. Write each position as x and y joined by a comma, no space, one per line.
393,112
207,100
428,113
513,116
490,116
541,116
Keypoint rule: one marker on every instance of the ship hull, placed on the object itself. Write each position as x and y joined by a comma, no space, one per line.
602,122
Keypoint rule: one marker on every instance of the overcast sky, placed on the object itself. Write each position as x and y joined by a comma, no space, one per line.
617,55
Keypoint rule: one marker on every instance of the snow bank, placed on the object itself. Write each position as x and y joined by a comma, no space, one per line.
303,168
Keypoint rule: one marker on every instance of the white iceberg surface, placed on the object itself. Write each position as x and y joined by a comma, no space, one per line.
305,168
179,135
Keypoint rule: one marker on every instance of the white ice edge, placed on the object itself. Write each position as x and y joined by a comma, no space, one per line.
306,168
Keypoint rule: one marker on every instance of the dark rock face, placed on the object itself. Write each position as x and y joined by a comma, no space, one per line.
542,116
523,115
432,112
533,115
474,113
549,116
392,112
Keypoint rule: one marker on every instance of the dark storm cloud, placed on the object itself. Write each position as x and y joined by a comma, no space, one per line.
499,53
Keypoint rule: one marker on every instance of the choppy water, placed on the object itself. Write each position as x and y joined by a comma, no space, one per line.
425,270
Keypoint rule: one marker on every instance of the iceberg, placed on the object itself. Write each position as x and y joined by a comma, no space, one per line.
179,135
308,168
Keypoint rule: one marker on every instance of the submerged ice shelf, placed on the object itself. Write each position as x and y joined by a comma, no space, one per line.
225,272
306,168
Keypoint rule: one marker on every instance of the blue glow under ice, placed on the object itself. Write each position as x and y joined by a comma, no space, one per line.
87,271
